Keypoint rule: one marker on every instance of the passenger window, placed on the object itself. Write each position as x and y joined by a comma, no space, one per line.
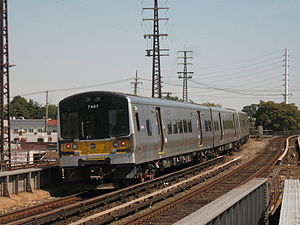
206,125
149,129
175,128
180,128
210,125
185,126
190,126
137,121
169,124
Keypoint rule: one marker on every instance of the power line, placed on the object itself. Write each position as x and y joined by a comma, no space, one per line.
256,73
245,60
208,86
230,90
77,88
218,73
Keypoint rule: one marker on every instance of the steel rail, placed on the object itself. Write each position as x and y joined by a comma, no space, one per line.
86,205
38,208
284,154
155,212
149,199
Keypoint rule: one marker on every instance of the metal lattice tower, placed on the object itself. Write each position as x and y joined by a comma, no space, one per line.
185,74
155,52
286,77
4,90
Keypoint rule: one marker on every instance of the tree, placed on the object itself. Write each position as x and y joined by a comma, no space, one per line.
36,110
278,116
21,108
251,111
52,112
212,104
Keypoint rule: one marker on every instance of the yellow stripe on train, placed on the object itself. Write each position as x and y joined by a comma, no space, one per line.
96,147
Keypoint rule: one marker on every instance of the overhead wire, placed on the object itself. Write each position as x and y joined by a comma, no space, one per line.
209,86
77,88
218,73
257,73
244,60
240,92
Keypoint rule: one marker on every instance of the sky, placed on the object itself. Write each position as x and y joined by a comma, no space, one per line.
71,46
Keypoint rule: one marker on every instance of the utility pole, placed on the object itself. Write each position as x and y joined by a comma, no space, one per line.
5,148
155,52
286,77
46,112
185,72
135,83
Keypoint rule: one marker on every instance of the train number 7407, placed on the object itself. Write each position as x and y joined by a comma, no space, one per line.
93,106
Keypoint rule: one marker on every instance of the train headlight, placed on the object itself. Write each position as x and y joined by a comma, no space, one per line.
116,144
75,146
68,146
123,143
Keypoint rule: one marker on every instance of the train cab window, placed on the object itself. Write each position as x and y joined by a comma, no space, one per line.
185,128
169,125
190,126
138,126
175,127
149,128
180,128
70,120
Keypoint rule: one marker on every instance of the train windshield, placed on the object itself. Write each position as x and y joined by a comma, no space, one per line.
97,123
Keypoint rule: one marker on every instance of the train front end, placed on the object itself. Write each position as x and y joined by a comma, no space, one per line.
94,136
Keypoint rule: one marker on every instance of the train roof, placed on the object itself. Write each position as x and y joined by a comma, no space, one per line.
148,100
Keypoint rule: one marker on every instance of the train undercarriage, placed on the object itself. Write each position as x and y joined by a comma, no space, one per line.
103,175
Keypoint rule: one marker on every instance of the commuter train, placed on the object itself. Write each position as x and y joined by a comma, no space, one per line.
112,136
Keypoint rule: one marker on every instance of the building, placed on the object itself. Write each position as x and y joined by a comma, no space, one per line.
33,130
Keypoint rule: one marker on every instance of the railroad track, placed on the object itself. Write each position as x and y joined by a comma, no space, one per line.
110,207
39,208
181,207
60,210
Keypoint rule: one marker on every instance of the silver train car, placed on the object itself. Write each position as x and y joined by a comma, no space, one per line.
113,136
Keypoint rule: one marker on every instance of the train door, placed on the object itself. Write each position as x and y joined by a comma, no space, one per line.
200,133
160,131
221,127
